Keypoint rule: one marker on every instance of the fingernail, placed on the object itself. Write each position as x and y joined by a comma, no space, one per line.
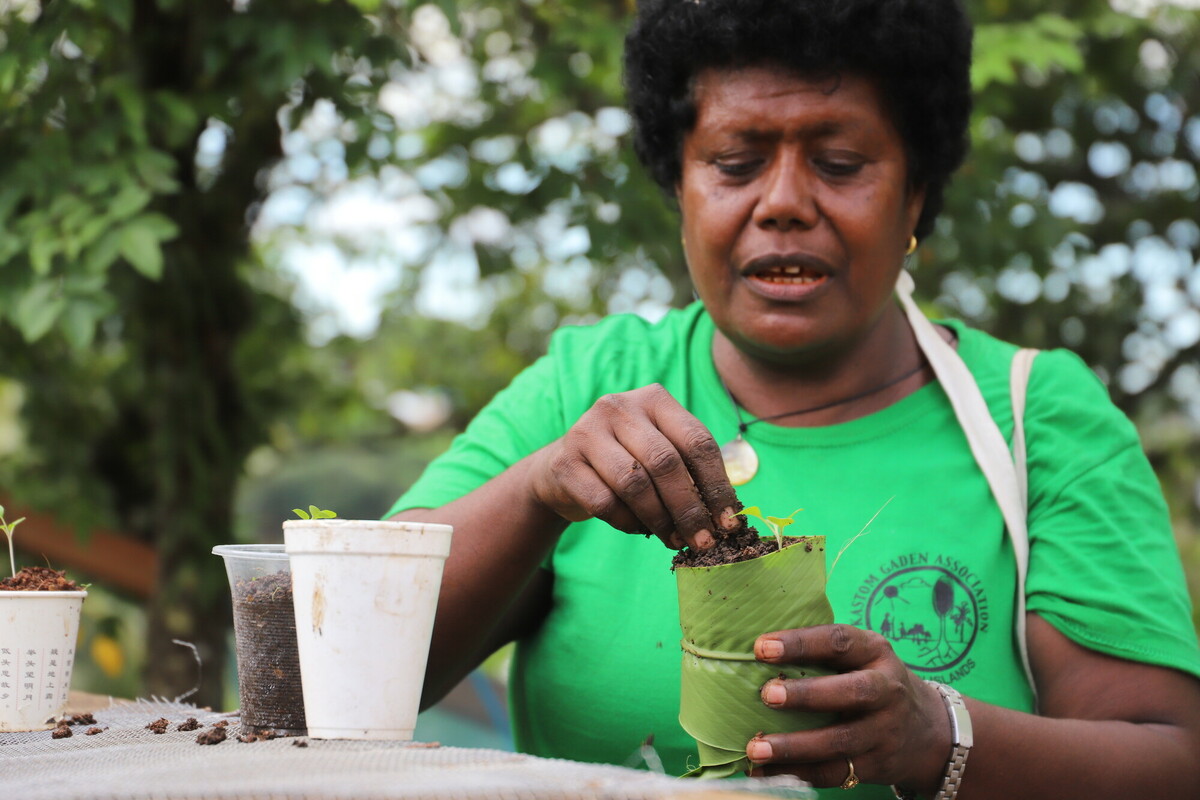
729,518
704,540
770,648
773,694
759,750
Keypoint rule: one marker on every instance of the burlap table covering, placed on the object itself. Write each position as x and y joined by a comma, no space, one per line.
129,762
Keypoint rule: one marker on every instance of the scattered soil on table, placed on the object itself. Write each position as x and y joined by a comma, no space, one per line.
268,658
82,719
190,725
299,743
94,731
159,725
214,735
39,579
63,731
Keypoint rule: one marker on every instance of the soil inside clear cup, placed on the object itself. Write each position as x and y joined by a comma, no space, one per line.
264,628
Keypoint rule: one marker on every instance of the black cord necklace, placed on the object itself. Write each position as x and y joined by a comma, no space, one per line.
741,460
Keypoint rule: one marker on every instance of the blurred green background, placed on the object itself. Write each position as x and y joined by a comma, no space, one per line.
260,255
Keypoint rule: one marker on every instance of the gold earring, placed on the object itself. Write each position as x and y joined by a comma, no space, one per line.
912,246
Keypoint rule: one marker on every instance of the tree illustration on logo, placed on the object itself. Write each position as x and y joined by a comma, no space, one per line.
943,602
959,618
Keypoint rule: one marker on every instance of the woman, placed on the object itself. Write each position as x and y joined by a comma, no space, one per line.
807,144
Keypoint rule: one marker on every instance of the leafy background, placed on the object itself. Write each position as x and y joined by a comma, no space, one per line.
260,255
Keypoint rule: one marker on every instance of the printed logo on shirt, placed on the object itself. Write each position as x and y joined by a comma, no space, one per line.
931,609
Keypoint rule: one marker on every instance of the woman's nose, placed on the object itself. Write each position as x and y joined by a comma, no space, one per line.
787,199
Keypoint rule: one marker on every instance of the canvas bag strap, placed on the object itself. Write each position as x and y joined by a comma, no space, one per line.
985,440
1022,365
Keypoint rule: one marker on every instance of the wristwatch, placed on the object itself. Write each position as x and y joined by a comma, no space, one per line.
961,737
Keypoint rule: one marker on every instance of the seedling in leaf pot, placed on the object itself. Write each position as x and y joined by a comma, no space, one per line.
740,588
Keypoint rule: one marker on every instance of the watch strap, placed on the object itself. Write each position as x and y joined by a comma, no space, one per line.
962,738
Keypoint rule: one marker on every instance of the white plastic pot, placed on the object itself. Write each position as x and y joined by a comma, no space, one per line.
38,631
365,594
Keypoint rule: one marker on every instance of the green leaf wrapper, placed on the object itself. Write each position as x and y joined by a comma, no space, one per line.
722,610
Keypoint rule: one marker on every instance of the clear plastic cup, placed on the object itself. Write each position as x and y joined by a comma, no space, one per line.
264,627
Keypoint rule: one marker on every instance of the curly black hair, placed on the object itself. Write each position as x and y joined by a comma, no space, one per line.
917,51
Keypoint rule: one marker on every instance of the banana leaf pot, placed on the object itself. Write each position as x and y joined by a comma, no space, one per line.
722,610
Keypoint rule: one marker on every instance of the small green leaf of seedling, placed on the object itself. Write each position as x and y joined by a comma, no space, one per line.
774,524
314,513
8,528
753,511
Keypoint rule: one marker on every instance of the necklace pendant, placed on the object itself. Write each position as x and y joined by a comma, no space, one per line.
741,462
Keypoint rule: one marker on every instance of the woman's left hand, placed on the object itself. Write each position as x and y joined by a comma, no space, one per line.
891,724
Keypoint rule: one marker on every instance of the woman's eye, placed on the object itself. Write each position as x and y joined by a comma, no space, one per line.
736,169
839,168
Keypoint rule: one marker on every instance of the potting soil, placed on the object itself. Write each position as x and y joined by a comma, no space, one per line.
39,579
267,655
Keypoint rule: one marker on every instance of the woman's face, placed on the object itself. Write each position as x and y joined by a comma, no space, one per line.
796,209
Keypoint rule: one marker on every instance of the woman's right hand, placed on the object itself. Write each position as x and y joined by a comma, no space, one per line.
639,461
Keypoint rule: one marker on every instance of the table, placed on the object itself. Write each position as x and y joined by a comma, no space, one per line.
129,762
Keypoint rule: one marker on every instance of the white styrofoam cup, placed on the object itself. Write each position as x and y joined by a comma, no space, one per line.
37,653
365,593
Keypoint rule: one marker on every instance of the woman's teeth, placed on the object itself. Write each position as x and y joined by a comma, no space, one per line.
792,275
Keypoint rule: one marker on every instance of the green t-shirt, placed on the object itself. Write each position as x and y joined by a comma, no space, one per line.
602,674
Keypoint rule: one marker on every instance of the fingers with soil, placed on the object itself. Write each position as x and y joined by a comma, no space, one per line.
668,491
641,462
627,465
702,457
571,487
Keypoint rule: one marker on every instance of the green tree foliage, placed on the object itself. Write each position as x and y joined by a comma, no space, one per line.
1074,222
134,135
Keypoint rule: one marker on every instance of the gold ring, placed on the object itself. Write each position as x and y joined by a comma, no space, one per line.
851,779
